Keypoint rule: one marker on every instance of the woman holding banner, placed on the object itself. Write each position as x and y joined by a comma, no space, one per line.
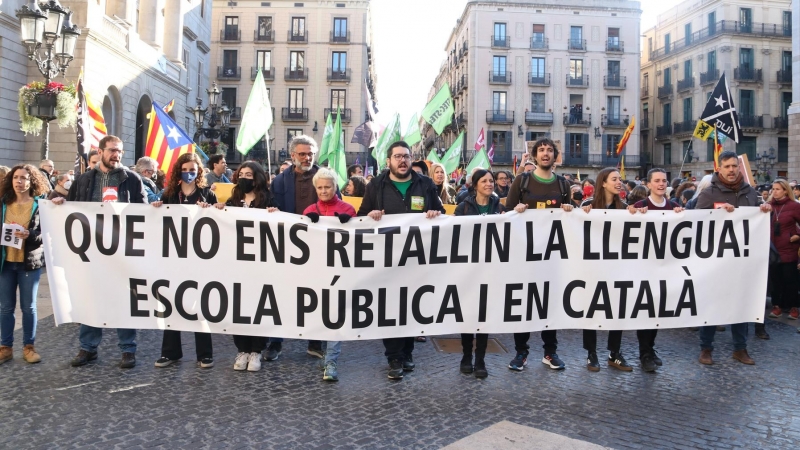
446,192
480,203
186,186
606,196
21,266
250,191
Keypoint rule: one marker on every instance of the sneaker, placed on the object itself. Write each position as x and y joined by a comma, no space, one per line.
242,359
128,360
254,362
29,354
83,358
480,369
466,365
408,363
330,372
776,312
164,362
205,363
656,359
648,364
272,352
618,362
6,354
519,362
395,369
315,350
553,361
705,357
592,363
743,357
794,314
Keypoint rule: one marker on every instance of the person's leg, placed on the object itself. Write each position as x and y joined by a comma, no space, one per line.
127,340
258,344
590,340
481,342
776,279
739,335
242,343
550,340
394,348
614,341
203,347
332,351
521,342
466,344
707,337
90,338
790,298
28,281
8,304
408,347
646,339
171,345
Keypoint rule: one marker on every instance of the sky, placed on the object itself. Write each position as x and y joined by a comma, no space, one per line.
409,39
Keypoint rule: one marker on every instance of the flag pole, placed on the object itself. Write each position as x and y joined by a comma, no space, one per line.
683,160
269,160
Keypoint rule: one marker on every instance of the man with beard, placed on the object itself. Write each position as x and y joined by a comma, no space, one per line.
294,192
539,189
109,181
397,191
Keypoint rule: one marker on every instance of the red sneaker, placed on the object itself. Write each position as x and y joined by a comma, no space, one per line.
776,312
794,314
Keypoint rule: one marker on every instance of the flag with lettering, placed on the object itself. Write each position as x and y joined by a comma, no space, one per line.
481,142
490,155
721,112
439,112
166,141
452,158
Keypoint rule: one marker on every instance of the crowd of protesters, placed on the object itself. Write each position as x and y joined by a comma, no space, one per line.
300,186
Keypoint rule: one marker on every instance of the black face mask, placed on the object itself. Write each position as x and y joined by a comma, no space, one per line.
246,185
577,196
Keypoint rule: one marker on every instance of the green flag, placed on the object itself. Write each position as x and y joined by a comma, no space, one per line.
439,112
257,117
325,146
433,156
479,160
390,134
413,134
452,158
337,160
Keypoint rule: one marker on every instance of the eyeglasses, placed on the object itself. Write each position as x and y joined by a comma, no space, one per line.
400,157
305,155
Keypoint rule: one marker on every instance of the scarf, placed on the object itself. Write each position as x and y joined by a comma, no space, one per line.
737,183
60,189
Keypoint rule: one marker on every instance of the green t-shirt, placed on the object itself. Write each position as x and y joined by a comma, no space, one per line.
402,186
484,209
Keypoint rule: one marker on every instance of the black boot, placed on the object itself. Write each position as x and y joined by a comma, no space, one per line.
761,331
480,367
466,364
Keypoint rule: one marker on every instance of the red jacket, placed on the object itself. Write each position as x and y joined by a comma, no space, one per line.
335,205
785,212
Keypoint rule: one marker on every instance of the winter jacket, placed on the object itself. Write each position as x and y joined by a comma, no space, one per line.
331,207
382,195
718,193
131,189
150,188
786,213
283,188
469,207
34,253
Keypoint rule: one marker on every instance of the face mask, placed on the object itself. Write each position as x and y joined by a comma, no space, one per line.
577,196
188,177
67,185
246,185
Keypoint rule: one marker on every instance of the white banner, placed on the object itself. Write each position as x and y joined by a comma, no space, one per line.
249,272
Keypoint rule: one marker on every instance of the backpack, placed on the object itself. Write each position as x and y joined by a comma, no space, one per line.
563,187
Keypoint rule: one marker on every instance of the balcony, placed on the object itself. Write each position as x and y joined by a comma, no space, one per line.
780,123
229,73
296,74
710,77
615,82
615,46
236,113
645,92
785,77
747,75
749,121
577,119
344,113
685,127
664,91
579,82
294,114
618,121
540,43
538,118
575,158
499,77
230,35
499,116
644,124
538,79
269,73
297,37
576,45
501,42
465,47
687,84
269,36
339,75
339,38
663,131
462,117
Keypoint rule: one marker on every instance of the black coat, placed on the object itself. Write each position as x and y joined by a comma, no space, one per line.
131,189
469,207
382,195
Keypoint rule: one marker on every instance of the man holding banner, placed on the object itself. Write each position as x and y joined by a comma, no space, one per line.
400,190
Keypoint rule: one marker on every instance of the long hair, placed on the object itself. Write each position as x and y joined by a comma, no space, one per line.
173,185
704,183
359,186
443,193
785,185
39,184
599,201
261,189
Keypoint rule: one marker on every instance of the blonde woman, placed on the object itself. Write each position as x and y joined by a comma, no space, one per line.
446,192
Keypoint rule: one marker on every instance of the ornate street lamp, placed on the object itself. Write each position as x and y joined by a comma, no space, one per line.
217,115
49,38
765,162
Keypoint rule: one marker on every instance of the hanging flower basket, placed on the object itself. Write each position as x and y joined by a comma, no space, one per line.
39,102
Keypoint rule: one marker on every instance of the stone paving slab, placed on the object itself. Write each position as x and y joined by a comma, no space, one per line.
510,436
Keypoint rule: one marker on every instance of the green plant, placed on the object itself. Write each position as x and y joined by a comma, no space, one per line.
66,112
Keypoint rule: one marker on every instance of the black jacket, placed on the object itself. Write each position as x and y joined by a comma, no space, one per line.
382,195
206,196
131,190
34,252
718,193
469,207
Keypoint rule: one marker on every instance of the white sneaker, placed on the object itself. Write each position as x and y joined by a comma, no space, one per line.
241,361
254,364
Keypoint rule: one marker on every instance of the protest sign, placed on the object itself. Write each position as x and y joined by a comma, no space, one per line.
9,239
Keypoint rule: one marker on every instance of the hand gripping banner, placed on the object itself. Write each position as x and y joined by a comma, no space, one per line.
249,272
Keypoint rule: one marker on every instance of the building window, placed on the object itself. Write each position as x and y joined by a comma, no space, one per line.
502,145
685,154
787,23
229,97
613,40
712,62
687,109
687,33
687,69
746,19
646,83
297,62
667,114
747,146
199,77
575,143
264,59
339,62
298,30
747,102
667,154
614,78
292,133
500,35
613,109
576,69
746,60
202,8
537,102
231,28
786,61
610,144
786,101
230,60
667,39
667,77
783,150
576,38
295,101
338,99
710,150
499,102
499,66
538,36
339,27
264,27
537,70
712,23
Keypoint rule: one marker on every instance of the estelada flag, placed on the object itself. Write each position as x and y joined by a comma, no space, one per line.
721,112
626,135
166,141
717,150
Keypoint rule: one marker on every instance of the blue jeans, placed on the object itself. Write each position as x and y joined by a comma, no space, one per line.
90,338
332,351
738,332
12,277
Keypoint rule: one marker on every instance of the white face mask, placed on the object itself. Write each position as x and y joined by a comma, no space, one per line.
67,185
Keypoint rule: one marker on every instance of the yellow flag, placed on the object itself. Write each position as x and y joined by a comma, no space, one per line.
703,130
622,167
